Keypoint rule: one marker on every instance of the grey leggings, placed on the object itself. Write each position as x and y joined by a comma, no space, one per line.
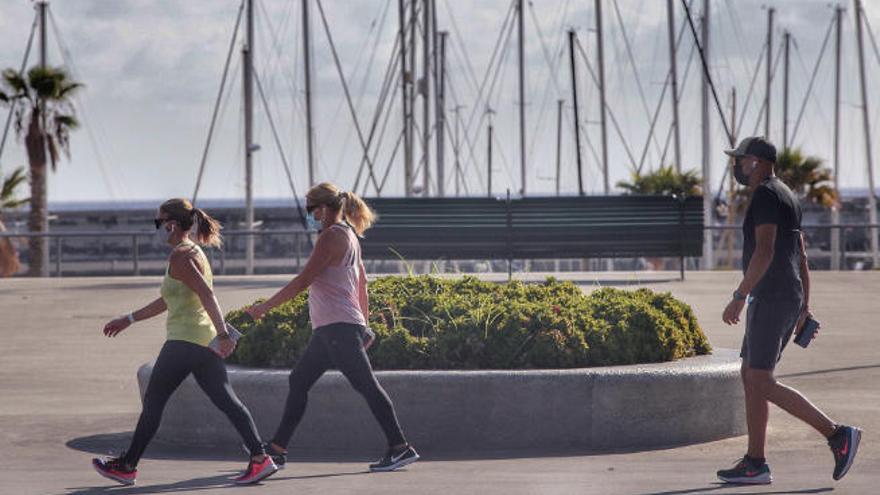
337,346
176,361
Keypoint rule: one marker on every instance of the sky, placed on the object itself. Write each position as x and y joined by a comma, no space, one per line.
152,70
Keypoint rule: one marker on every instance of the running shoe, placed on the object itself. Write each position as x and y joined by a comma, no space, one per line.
116,470
395,459
844,445
257,471
744,472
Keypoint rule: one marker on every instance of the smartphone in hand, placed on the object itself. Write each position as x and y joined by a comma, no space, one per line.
808,331
234,334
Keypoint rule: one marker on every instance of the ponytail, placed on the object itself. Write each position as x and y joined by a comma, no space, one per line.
207,229
356,212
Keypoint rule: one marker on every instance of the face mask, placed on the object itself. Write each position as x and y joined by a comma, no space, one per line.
314,225
738,172
163,235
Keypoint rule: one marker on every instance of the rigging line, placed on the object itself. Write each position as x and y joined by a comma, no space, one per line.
678,41
331,124
552,77
390,163
748,99
345,89
27,52
387,84
387,120
803,65
772,77
469,66
736,22
501,44
467,138
812,80
80,102
607,107
501,69
497,71
632,62
217,104
365,79
681,91
302,216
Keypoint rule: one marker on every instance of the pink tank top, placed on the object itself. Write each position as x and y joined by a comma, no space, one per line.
333,295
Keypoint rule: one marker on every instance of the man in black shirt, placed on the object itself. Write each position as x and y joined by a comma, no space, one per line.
776,283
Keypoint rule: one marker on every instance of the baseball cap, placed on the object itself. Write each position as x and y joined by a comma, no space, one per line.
754,146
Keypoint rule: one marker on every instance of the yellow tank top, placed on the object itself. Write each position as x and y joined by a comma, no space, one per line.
187,318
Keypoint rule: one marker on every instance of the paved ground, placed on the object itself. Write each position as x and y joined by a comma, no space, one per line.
67,392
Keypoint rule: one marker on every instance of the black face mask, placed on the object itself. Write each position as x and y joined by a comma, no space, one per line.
738,173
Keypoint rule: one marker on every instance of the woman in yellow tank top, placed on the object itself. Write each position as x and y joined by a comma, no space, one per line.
194,320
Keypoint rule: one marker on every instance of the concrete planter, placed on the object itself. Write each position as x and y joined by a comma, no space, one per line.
642,406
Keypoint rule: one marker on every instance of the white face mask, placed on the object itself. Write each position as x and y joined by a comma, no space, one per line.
163,234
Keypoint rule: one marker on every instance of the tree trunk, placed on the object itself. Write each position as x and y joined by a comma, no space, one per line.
9,264
38,219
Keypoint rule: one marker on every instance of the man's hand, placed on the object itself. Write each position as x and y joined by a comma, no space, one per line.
112,328
805,313
732,311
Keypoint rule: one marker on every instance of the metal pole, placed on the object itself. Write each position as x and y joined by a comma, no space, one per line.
558,143
603,111
307,57
491,131
572,39
872,197
457,141
708,235
769,68
411,95
440,109
835,211
731,188
404,93
426,99
44,44
670,21
248,60
787,41
522,97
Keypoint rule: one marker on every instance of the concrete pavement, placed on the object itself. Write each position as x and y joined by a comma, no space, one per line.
66,392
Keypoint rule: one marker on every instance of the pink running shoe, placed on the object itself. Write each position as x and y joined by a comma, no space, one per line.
116,470
257,471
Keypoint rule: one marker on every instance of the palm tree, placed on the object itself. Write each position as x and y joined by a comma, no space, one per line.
9,264
44,113
806,177
665,180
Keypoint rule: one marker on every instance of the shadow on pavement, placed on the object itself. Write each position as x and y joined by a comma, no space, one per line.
723,487
195,484
832,370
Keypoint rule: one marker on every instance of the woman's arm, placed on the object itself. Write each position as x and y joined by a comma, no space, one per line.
152,309
329,247
185,268
363,294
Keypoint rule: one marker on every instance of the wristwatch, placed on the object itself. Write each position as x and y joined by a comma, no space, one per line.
739,296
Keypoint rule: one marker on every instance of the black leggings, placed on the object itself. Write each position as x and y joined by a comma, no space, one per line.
176,361
337,346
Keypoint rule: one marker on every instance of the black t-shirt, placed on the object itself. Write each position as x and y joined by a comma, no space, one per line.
774,203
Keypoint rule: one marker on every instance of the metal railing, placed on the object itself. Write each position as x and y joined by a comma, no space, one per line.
224,259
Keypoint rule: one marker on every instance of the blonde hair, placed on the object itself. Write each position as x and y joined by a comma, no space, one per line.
207,228
354,210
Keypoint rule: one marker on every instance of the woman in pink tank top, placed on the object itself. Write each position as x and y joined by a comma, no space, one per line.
339,310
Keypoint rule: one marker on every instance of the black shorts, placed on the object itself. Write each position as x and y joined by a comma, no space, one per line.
769,326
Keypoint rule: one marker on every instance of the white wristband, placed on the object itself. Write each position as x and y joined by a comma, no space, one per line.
131,318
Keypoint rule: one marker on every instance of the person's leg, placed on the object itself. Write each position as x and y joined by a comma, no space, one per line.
757,416
211,376
346,349
764,385
311,365
171,368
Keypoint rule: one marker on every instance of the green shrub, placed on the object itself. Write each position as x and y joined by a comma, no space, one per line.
426,322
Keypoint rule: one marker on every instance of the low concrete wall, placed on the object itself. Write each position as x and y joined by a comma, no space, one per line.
643,406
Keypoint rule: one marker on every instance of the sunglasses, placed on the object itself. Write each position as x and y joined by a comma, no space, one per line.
159,221
311,208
